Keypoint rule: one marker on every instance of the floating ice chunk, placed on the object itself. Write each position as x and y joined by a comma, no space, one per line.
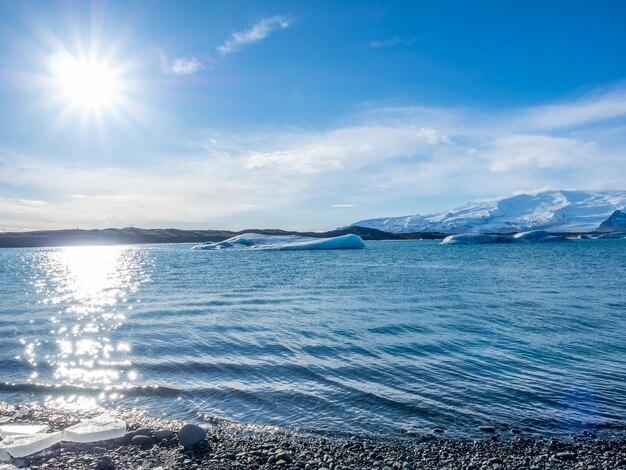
4,456
475,239
613,235
538,236
5,419
21,446
22,429
100,428
256,241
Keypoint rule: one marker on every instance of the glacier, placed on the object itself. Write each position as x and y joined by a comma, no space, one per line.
558,210
257,241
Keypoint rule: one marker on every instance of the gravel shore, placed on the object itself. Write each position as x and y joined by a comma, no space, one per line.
153,443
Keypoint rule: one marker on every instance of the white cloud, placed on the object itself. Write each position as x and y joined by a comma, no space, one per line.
185,66
258,31
597,107
379,163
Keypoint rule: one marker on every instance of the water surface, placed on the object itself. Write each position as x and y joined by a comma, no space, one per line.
398,338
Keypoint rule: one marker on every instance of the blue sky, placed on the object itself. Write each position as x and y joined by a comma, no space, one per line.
301,115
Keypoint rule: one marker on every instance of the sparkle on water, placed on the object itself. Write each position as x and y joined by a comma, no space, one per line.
87,290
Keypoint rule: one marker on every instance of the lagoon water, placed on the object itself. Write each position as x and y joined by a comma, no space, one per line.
398,338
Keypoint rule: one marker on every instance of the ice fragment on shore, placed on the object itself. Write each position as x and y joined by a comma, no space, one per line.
22,429
22,446
100,428
7,466
5,419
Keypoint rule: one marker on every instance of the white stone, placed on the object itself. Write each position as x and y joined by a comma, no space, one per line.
22,446
22,429
7,466
23,411
100,428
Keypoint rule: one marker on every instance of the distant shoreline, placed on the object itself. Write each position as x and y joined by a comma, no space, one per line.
133,235
138,236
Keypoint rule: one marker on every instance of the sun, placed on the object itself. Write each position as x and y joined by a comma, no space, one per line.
86,83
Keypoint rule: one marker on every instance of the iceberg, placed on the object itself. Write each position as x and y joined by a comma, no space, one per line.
612,235
22,429
534,236
257,241
475,239
22,446
100,428
538,236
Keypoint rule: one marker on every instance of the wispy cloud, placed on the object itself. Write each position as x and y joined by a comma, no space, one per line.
394,41
258,31
180,65
185,66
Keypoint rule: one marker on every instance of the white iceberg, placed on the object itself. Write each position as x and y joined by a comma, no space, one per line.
257,241
475,239
534,236
22,429
612,235
100,428
22,446
538,236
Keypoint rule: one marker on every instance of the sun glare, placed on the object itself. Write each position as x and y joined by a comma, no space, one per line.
85,83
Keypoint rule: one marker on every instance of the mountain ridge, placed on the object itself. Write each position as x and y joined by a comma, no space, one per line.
556,210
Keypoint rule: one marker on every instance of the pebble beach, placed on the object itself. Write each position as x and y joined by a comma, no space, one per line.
153,443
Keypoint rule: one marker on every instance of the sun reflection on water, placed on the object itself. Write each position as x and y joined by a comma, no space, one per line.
89,291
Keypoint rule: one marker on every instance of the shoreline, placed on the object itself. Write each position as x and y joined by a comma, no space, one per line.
231,445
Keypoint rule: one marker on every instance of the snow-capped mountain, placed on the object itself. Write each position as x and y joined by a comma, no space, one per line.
571,211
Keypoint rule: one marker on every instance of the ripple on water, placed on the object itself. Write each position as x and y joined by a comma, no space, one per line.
400,337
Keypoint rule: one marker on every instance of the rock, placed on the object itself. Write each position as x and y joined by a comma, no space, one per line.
143,432
105,463
190,435
487,428
438,430
565,456
145,442
516,431
284,456
163,434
